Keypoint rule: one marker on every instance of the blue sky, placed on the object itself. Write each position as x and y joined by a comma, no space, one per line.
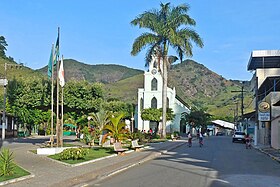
99,32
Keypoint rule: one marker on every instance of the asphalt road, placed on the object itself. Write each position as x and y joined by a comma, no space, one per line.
218,163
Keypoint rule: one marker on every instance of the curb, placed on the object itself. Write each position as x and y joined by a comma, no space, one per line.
82,163
270,155
17,179
86,162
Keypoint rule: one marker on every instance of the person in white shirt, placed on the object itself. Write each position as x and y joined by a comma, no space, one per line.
189,139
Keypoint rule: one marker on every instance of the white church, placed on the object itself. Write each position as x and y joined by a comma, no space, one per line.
151,97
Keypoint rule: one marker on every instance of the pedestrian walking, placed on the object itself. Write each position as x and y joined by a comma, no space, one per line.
248,141
200,139
189,139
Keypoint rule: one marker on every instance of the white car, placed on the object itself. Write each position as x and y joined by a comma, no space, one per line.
238,136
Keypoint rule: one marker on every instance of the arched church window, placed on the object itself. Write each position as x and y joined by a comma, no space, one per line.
154,84
167,102
155,64
154,103
141,104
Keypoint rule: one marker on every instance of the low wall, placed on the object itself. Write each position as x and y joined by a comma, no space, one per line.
51,150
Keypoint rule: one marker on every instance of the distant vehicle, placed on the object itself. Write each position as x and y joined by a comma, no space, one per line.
220,134
238,136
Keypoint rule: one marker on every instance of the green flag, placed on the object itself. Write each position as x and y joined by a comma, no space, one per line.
56,51
53,57
50,64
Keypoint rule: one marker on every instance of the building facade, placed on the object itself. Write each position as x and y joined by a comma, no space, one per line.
10,126
266,83
151,97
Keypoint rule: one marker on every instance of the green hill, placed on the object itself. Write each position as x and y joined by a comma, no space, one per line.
125,90
104,73
203,88
14,70
194,83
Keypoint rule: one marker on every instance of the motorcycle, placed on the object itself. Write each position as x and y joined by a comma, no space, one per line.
248,144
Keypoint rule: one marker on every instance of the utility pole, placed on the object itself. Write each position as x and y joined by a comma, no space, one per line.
132,125
242,99
4,104
236,115
256,109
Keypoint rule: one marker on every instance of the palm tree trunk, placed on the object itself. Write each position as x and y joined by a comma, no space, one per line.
164,96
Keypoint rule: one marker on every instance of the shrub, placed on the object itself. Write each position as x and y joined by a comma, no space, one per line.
176,133
48,131
168,135
7,165
88,138
138,135
73,153
156,136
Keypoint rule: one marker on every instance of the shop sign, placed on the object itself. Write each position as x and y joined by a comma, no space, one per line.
264,111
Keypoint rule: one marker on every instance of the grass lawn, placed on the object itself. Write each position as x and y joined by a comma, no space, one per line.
94,153
18,172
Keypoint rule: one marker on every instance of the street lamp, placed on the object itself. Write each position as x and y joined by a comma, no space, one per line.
127,123
132,129
89,118
4,107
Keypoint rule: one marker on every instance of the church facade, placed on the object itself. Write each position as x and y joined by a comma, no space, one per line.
151,97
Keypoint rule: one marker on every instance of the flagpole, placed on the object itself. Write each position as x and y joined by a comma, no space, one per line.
57,107
52,101
57,97
62,123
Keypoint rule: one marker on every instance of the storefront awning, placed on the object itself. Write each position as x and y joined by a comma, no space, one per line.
224,124
264,59
69,125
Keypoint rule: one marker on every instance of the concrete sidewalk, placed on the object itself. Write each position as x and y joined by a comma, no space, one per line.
47,172
271,152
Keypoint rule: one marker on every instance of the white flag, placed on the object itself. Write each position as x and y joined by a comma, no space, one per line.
61,74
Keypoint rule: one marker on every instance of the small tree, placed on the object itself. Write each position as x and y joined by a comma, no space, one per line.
154,114
197,118
116,128
7,165
100,119
3,45
119,107
151,114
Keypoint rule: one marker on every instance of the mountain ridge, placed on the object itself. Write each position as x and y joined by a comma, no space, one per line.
75,70
195,84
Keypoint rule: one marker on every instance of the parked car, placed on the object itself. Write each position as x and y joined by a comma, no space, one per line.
220,134
238,136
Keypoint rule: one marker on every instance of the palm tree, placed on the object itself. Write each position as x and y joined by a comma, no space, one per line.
101,118
116,127
168,28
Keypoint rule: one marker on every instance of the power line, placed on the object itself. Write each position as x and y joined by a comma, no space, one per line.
249,104
268,89
242,98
